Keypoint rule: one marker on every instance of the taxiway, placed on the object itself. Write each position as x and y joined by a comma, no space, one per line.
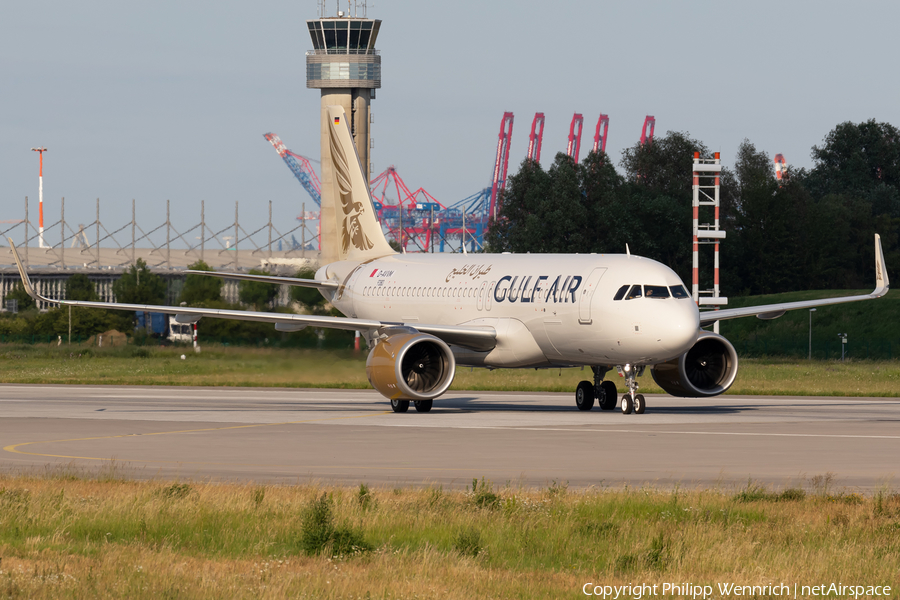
272,435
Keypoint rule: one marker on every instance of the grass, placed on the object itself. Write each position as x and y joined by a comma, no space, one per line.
262,367
68,534
873,327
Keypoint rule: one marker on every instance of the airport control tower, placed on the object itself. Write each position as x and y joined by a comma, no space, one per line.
345,65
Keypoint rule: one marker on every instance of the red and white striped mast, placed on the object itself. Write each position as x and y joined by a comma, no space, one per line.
706,181
41,151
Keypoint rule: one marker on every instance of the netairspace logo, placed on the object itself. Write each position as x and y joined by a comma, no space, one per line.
732,590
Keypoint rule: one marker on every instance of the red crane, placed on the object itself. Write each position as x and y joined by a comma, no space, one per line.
413,217
498,184
779,168
600,138
649,123
574,146
536,137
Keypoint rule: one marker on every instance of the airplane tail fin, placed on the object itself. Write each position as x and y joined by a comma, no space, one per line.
350,230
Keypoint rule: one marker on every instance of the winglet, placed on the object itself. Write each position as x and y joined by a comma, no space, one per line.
26,282
882,283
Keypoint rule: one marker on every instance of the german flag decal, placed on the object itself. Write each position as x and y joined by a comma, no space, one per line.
337,120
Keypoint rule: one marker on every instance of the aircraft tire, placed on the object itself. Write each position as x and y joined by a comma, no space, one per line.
584,395
627,404
610,395
640,405
399,406
424,405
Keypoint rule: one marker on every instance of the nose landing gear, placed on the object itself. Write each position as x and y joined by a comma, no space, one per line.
631,400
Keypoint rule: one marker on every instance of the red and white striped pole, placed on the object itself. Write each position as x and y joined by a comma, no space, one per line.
695,250
41,151
716,247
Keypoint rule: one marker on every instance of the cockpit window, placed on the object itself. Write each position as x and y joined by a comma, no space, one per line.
656,291
634,293
678,291
621,293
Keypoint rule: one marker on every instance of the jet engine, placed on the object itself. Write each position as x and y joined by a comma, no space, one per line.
409,365
707,369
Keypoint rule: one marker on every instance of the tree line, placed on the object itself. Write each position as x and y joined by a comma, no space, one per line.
811,230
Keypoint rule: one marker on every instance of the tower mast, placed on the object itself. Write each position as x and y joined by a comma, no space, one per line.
41,151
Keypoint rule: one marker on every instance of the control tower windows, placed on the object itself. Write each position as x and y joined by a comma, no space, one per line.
339,36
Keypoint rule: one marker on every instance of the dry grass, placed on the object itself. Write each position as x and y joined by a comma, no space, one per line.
67,535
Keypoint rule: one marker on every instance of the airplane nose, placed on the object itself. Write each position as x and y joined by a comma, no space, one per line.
680,328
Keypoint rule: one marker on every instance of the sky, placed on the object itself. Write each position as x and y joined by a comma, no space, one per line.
170,100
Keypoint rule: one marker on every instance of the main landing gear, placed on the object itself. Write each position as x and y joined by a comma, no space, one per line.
605,391
401,406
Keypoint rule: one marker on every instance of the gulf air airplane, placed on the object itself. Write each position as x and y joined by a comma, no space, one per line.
423,314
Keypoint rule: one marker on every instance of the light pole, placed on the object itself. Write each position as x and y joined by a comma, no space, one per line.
843,337
41,151
811,311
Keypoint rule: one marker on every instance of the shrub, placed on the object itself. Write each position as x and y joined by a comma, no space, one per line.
176,491
364,497
318,534
259,494
483,494
468,542
755,493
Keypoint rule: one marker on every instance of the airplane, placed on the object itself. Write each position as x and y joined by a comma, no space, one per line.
423,314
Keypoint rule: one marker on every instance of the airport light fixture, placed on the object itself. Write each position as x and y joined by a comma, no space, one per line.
843,337
811,311
41,151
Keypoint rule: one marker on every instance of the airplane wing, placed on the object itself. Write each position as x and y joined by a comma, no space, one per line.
313,283
475,338
773,311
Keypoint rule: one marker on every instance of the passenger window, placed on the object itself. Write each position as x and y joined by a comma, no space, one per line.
621,293
656,291
634,293
678,291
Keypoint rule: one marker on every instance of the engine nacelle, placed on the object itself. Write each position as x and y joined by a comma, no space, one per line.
707,369
409,365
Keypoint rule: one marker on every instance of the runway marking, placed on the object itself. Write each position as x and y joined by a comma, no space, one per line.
13,448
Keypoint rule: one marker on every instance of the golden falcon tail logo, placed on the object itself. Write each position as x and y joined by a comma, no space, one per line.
351,231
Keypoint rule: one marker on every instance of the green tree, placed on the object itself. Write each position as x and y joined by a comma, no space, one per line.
139,285
257,294
25,301
548,211
85,321
79,287
514,229
311,298
856,157
664,166
200,290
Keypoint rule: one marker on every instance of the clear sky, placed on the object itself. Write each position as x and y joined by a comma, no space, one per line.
169,100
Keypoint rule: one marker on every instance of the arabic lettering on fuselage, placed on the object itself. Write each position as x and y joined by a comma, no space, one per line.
536,289
472,271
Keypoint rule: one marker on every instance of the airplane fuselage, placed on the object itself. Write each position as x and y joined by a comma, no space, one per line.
547,310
